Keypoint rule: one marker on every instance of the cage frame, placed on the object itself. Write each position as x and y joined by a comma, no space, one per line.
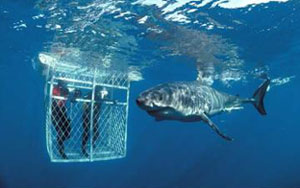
51,81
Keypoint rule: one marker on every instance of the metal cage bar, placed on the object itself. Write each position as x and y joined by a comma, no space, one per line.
92,118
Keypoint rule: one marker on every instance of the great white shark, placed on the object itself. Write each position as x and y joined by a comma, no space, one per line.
193,101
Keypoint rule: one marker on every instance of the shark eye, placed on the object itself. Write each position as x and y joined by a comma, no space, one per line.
160,98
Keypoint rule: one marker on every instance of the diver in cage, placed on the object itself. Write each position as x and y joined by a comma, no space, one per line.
101,94
59,116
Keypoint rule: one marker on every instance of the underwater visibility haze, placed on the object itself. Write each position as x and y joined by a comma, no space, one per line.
194,48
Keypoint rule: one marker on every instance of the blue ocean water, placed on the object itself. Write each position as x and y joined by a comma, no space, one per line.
254,41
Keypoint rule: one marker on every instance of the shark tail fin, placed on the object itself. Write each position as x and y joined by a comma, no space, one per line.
258,97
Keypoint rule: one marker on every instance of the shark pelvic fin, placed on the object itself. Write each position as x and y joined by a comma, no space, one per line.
215,127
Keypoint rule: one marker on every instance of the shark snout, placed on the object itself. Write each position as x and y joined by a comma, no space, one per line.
140,101
144,103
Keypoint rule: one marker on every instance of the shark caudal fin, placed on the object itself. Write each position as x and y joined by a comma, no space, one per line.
258,97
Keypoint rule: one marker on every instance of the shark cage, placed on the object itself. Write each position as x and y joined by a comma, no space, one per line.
86,113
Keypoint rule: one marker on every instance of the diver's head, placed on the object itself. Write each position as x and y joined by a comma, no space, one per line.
153,99
61,84
101,92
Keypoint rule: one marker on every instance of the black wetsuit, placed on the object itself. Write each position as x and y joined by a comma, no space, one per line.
61,123
86,125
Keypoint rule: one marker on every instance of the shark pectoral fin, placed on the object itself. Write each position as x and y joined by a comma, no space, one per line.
214,127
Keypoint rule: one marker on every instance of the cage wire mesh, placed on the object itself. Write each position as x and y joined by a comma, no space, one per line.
87,113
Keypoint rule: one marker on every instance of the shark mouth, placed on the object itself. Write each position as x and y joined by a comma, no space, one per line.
155,112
